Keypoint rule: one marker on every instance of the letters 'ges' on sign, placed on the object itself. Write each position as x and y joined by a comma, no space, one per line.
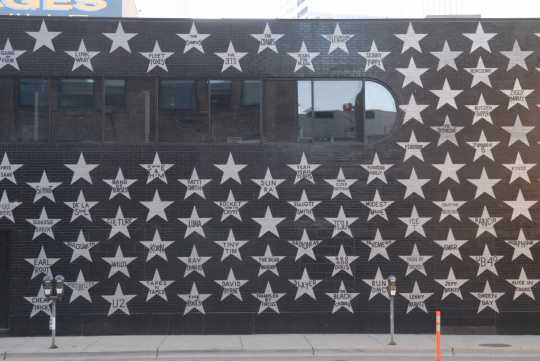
101,8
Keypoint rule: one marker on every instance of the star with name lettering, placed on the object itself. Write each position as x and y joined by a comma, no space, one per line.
516,56
486,262
268,262
80,288
304,58
8,56
447,132
342,262
450,246
305,285
305,246
40,303
268,185
230,170
268,223
119,263
487,298
415,261
374,57
481,110
416,298
485,222
231,58
518,132
378,246
414,223
304,207
449,169
484,184
120,185
414,185
342,298
157,287
446,95
411,40
120,39
522,246
43,37
304,170
194,262
7,207
338,40
81,248
42,264
341,185
413,110
480,39
82,57
480,73
231,207
157,247
446,57
451,285
341,223
157,58
156,207
193,39
194,185
267,40
377,207
268,299
231,286
520,207
449,207
194,300
194,223
81,207
413,148
43,225
44,188
156,170
517,95
523,285
378,285
119,224
519,169
376,170
412,74
483,147
81,170
231,247
118,301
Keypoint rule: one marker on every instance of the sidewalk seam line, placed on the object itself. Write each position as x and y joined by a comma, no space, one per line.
241,343
310,345
159,346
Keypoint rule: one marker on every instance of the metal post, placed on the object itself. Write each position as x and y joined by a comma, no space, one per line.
53,325
392,341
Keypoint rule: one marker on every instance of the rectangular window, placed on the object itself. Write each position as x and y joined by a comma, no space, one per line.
115,94
176,95
251,93
32,91
77,94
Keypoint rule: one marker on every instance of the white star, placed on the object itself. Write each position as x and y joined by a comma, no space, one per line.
43,225
231,286
157,247
449,169
520,207
414,185
519,169
341,185
305,246
8,56
193,39
81,207
120,185
7,207
374,57
376,170
450,246
156,207
304,170
377,207
337,40
446,57
268,185
412,74
81,170
120,39
480,74
157,287
410,39
378,285
268,299
483,147
480,39
231,207
341,223
304,207
82,57
517,95
44,188
414,223
268,262
195,185
482,110
230,170
449,207
446,95
268,223
486,262
416,298
522,246
231,247
231,58
484,184
7,170
157,58
194,223
43,37
194,262
342,262
451,285
119,224
156,170
80,288
42,264
415,262
413,148
267,40
194,300
304,58
485,222
487,298
305,285
523,285
81,248
119,301
518,132
342,298
40,303
413,110
378,246
447,132
119,263
516,56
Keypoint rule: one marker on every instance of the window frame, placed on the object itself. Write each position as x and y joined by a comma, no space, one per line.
94,106
194,101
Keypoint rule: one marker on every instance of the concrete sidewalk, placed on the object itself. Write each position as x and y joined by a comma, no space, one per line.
162,347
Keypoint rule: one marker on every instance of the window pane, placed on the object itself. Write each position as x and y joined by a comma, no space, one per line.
176,95
77,94
381,112
231,120
28,88
115,94
305,123
32,122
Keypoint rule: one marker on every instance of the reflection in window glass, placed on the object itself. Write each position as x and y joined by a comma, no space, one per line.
115,94
28,88
251,93
381,112
77,94
176,95
305,107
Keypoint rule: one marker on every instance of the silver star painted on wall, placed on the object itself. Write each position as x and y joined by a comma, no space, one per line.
517,95
411,40
194,300
156,207
450,246
304,58
413,110
451,285
268,262
118,301
43,37
267,40
81,248
40,303
520,207
342,262
480,39
194,262
447,132
43,225
483,147
193,39
7,207
480,73
81,208
481,110
157,58
304,170
341,223
415,261
8,169
231,58
82,57
516,57
230,170
413,148
44,188
414,185
120,39
9,56
338,40
268,185
231,286
412,74
449,169
449,207
269,299
518,132
376,170
156,170
120,185
157,247
484,184
305,246
446,57
268,223
194,223
81,170
304,286
486,262
485,222
374,57
523,285
42,264
378,285
231,247
157,287
446,95
342,298
377,207
416,298
80,288
119,224
414,223
487,298
378,246
519,169
522,246
231,207
194,185
119,263
341,185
